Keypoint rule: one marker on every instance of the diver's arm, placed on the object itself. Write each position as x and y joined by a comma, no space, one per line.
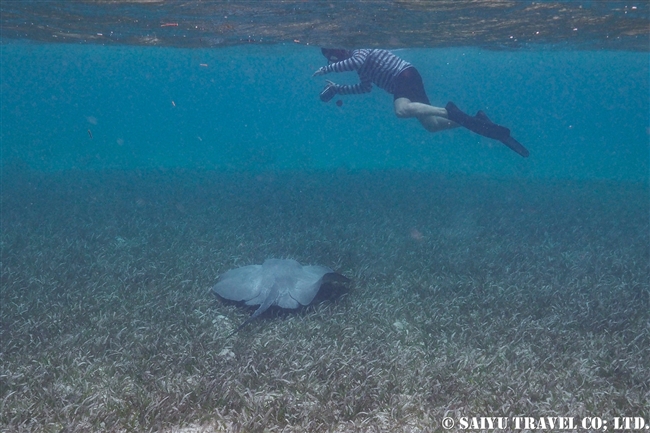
364,86
353,63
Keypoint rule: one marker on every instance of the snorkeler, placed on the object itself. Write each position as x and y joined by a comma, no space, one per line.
404,82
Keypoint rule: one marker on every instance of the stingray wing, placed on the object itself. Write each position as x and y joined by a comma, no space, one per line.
247,283
308,283
283,273
296,284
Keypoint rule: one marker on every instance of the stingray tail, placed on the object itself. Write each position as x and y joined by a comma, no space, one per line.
262,308
482,125
240,327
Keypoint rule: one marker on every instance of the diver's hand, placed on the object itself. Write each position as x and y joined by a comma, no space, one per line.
319,72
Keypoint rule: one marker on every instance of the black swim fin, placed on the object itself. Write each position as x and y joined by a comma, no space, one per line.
480,114
516,146
482,125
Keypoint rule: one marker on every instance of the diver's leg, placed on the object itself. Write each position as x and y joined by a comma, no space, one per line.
432,118
436,123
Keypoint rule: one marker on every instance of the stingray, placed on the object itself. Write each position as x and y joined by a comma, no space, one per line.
284,283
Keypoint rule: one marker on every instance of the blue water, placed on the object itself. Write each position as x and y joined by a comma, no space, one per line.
132,177
582,114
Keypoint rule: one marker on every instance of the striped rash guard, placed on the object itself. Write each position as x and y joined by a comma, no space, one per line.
373,66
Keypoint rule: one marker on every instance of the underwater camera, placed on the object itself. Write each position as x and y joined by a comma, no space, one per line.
328,93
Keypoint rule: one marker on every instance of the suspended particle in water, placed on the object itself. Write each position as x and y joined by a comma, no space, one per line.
90,134
339,103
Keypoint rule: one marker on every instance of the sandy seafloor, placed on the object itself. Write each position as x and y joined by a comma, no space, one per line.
469,297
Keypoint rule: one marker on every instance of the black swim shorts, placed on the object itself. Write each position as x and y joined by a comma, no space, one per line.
408,84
